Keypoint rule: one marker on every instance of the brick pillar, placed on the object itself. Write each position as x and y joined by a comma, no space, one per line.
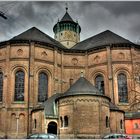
32,56
32,98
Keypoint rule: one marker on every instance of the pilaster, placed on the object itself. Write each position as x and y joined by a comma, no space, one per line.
55,73
62,71
86,66
31,73
6,91
110,73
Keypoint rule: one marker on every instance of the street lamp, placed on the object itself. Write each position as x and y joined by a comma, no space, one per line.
2,15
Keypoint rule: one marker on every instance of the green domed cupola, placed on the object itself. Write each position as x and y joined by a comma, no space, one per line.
66,31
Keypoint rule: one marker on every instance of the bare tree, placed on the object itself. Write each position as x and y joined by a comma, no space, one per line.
2,15
135,89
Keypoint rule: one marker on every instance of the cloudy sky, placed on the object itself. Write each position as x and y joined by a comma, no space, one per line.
121,17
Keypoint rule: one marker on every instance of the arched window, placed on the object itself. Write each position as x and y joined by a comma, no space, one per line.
61,121
21,123
19,86
35,123
1,86
107,122
13,122
42,87
121,124
122,88
99,83
66,121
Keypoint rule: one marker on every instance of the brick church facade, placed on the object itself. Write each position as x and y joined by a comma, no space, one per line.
63,86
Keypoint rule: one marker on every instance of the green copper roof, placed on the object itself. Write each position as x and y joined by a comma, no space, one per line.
50,107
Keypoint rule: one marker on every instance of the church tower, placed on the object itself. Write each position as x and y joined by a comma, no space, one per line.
66,31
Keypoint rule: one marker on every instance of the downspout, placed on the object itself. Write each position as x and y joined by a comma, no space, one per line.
28,103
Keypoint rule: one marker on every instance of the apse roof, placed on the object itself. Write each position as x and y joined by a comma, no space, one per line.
82,85
104,38
34,34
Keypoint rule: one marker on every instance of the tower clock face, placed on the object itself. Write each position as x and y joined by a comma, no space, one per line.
68,35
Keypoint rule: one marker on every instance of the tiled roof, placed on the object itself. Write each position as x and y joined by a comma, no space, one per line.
96,42
104,38
34,34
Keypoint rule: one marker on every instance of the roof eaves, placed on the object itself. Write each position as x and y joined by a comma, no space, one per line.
113,109
67,95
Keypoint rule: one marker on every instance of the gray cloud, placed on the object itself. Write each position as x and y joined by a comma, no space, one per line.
121,17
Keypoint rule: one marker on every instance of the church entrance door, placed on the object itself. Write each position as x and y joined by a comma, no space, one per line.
52,127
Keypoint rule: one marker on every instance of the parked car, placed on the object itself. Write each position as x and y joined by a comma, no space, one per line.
42,136
117,136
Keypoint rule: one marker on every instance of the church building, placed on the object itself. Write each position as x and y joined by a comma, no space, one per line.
68,87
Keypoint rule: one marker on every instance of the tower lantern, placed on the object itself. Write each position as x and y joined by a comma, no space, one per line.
66,31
